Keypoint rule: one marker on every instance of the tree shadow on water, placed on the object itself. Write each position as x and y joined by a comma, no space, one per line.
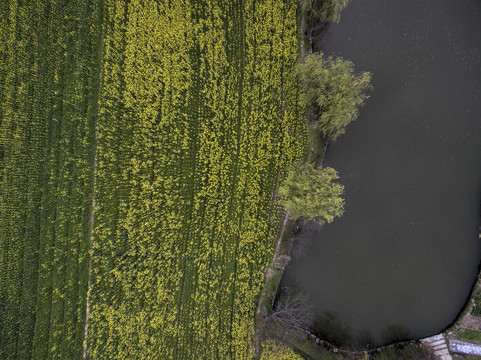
329,327
395,333
365,339
302,240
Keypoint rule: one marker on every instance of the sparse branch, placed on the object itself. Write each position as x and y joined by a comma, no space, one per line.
293,312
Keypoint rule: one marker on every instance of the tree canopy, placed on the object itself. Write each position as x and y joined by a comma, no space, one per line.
332,92
312,193
326,10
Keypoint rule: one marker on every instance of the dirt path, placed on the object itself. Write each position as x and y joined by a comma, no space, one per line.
269,273
301,31
92,209
87,307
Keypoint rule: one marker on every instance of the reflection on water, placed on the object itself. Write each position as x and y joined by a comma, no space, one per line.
328,326
364,339
395,333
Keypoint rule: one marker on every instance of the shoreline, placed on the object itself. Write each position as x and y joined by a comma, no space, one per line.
284,245
281,257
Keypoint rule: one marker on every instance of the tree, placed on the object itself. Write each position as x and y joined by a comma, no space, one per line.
332,93
292,311
325,10
312,193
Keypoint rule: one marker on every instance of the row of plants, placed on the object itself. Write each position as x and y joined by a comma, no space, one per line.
46,134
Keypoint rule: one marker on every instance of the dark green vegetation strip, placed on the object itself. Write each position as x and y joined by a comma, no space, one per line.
47,75
477,303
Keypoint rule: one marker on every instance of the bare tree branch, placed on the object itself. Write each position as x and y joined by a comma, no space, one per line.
293,311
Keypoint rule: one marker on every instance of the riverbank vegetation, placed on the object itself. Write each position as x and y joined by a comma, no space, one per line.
332,93
307,349
470,335
468,325
324,10
330,97
312,193
477,302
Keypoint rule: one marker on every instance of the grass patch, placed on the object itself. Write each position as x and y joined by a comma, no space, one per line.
408,352
271,289
316,143
286,241
470,335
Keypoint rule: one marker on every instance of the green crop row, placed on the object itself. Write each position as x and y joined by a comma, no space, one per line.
46,133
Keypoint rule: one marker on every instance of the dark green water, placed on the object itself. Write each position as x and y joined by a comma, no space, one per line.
406,252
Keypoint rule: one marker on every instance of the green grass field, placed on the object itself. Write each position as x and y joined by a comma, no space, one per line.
175,119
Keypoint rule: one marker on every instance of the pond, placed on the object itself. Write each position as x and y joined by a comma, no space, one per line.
403,258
